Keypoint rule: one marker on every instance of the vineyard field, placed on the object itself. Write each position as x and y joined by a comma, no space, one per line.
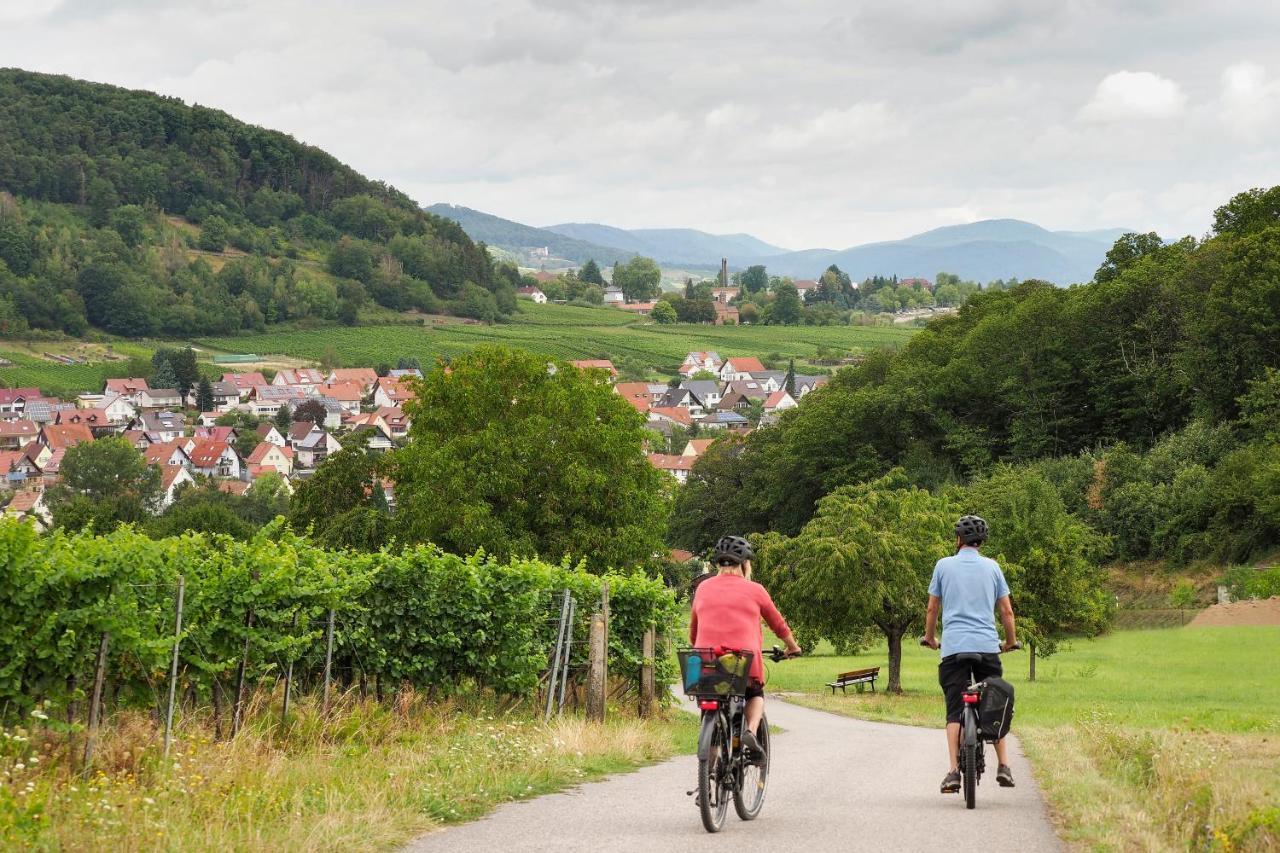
564,333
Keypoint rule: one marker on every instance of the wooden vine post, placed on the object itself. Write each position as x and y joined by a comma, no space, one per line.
646,674
95,704
598,660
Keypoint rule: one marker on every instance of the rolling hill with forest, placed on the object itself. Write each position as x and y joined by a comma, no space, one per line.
141,215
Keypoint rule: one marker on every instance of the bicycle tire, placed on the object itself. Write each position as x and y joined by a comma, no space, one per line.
753,779
712,803
969,747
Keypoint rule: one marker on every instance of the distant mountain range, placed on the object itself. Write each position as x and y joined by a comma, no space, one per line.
979,251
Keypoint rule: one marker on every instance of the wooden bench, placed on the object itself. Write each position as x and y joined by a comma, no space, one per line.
859,678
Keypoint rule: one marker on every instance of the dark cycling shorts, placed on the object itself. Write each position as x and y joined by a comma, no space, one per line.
755,690
953,675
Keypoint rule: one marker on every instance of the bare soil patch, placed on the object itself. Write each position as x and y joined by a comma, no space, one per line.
1263,612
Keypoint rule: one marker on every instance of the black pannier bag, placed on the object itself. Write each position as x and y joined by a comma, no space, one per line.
995,710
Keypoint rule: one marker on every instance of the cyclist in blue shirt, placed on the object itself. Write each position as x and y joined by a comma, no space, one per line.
968,589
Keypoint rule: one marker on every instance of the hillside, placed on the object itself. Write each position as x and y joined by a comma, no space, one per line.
519,239
141,215
672,245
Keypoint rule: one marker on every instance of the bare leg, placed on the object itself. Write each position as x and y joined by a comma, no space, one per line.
755,710
953,744
1002,752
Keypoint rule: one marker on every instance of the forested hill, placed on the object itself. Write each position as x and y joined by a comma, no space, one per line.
142,215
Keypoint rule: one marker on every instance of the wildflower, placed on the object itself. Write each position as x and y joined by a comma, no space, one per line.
39,715
35,759
19,766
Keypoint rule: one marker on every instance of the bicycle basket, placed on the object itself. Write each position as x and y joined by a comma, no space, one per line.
715,672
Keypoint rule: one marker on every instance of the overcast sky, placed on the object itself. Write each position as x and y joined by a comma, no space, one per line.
804,123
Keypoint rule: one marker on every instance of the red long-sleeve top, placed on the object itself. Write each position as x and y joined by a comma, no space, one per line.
727,610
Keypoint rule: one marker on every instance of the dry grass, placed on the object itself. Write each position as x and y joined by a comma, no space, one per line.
1124,789
368,777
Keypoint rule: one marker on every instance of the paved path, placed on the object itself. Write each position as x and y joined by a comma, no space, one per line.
836,784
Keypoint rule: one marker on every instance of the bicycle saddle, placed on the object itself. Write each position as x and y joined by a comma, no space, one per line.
968,657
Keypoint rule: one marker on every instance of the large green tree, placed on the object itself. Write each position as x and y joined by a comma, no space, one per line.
639,279
865,559
1049,557
104,483
518,455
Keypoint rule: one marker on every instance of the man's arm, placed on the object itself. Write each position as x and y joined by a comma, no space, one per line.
1005,607
931,621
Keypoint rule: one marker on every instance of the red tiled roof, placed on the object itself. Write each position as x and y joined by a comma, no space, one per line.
673,413
699,445
18,429
595,364
746,365
206,452
363,376
635,393
343,392
670,462
65,435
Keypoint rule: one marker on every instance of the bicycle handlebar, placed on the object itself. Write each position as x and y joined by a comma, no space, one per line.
1015,647
777,654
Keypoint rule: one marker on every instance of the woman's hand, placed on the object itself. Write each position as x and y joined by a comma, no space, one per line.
793,648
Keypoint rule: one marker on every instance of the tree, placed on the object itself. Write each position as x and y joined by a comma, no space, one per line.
755,279
310,410
1249,211
185,371
214,233
104,483
590,272
408,363
283,419
204,395
639,279
129,221
1183,596
865,559
517,456
338,503
1126,251
163,376
663,313
789,383
786,308
1049,557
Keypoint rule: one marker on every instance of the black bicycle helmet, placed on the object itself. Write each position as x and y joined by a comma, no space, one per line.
972,530
733,549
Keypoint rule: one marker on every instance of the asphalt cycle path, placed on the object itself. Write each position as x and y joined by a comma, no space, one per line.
835,784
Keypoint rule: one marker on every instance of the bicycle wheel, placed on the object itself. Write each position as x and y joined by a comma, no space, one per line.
712,799
748,799
969,747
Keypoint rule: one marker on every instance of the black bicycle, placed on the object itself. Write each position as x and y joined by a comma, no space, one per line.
717,679
973,756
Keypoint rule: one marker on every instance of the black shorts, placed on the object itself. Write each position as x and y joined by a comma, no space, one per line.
953,675
755,690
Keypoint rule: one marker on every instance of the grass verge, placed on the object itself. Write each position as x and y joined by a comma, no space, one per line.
1142,740
367,777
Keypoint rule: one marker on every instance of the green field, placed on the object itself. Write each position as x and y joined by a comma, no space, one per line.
563,332
1142,740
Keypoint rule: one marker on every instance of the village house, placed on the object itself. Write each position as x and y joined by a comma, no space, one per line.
709,361
28,505
118,409
129,388
736,369
731,421
15,434
226,396
391,392
13,401
365,377
531,292
614,296
770,380
38,454
97,420
51,470
726,315
724,295
244,382
334,411
696,447
676,466
265,400
635,393
161,426
680,417
374,430
167,454
682,398
310,444
17,467
267,432
62,436
44,411
268,456
706,390
405,373
596,364
215,459
738,395
160,398
807,384
779,401
804,287
173,478
228,434
302,377
349,395
137,438
640,309
396,420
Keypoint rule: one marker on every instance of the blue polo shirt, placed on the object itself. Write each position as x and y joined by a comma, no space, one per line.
969,585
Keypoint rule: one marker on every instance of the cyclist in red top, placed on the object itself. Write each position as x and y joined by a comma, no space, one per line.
727,610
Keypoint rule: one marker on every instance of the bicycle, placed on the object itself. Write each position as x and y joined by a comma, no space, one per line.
717,680
973,755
